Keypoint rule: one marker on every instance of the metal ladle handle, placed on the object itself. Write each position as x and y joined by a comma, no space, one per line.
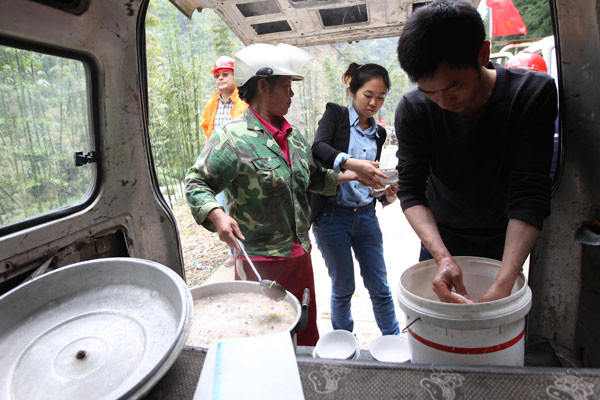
248,258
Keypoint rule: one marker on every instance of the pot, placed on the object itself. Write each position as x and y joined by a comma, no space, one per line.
213,289
99,329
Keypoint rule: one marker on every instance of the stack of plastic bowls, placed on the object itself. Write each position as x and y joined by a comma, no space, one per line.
338,344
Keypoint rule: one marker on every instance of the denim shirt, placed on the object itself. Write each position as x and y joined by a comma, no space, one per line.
362,146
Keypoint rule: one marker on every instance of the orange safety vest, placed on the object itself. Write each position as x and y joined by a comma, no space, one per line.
210,110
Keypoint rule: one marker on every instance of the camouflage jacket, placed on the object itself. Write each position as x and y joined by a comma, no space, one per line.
266,197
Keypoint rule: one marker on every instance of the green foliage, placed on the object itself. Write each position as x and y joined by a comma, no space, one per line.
44,103
178,94
223,40
536,15
43,121
180,54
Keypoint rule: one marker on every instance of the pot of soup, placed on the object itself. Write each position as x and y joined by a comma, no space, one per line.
239,309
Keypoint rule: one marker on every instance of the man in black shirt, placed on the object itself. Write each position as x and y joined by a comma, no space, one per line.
474,148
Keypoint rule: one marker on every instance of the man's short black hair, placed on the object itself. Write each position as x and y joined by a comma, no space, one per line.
445,30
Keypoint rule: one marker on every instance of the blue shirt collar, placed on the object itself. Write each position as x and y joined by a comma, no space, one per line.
371,130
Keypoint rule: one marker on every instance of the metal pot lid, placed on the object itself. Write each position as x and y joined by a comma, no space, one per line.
101,329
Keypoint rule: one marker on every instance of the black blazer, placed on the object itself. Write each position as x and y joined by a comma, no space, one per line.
332,138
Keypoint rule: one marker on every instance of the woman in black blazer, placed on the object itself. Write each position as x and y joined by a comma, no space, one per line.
349,138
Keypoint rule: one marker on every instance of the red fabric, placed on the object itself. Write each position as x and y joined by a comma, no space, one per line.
297,251
506,20
294,274
280,136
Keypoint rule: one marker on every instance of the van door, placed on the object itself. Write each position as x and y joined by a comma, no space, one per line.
77,177
564,276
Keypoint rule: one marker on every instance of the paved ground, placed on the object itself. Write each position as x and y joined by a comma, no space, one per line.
401,250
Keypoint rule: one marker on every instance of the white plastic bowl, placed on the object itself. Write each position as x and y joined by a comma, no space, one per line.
392,176
390,348
338,344
354,357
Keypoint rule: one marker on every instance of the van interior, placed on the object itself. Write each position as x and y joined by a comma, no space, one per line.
110,204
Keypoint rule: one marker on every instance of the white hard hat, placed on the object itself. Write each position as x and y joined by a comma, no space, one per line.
266,60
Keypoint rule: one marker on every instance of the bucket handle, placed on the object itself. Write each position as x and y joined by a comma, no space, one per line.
408,326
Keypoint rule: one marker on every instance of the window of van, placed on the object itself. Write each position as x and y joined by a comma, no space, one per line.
44,121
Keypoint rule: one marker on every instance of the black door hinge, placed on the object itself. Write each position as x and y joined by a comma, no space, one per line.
82,159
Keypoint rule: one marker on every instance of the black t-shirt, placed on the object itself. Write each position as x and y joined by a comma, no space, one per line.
476,174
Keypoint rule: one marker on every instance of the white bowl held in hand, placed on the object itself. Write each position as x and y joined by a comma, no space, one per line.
392,176
390,348
338,344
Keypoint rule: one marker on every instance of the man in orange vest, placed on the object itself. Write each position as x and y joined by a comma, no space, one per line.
225,104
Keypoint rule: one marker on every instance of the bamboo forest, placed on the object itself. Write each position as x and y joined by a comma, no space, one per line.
45,106
181,53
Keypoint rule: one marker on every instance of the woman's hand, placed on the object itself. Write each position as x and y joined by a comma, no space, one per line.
391,193
227,228
367,172
347,176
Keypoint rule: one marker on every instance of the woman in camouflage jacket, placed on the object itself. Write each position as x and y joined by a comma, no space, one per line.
265,167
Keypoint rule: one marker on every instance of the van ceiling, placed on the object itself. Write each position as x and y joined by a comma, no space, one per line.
309,22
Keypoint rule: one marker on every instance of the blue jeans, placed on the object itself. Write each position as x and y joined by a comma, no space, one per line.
338,231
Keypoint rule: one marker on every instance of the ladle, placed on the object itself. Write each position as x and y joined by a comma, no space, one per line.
271,289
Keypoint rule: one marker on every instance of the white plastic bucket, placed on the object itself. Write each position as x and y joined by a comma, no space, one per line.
491,333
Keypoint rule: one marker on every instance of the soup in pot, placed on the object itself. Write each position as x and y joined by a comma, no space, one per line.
230,315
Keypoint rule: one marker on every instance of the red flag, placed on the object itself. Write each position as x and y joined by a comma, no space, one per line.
506,20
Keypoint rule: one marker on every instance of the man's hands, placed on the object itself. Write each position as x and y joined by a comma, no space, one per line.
520,238
448,277
449,274
495,292
227,228
367,172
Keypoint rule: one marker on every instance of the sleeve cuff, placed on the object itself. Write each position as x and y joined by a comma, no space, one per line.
331,184
341,157
534,217
201,214
408,202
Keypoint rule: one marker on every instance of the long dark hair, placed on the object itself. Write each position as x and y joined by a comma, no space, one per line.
358,74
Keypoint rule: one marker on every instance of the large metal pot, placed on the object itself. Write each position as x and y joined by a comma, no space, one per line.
218,288
99,329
